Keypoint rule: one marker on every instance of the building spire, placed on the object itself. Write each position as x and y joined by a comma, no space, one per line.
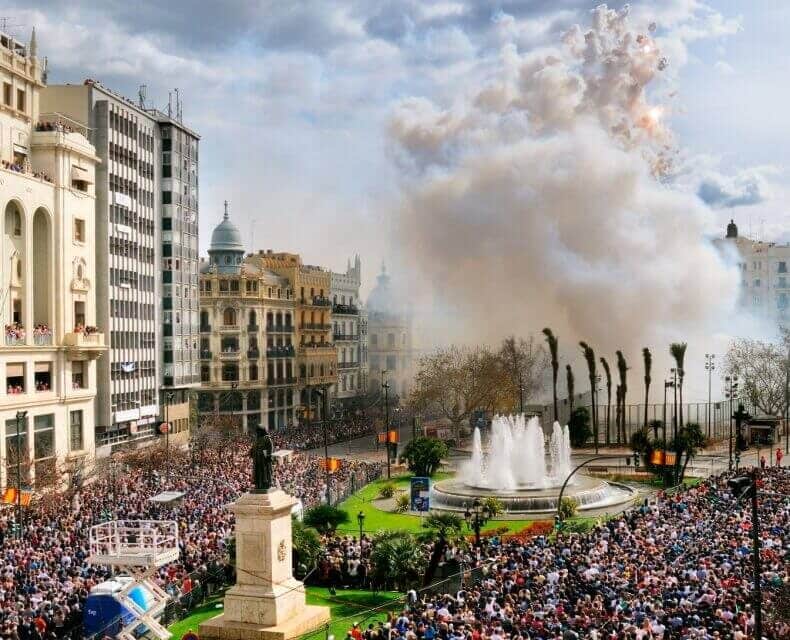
225,217
33,44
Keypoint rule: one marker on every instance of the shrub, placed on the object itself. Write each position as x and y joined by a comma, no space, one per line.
579,427
325,519
568,507
424,455
494,506
402,503
387,490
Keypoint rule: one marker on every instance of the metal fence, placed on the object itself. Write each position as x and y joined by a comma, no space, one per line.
713,418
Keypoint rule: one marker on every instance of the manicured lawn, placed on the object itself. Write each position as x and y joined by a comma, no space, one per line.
346,607
378,520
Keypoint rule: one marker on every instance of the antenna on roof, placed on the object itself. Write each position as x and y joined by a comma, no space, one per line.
169,104
142,95
178,106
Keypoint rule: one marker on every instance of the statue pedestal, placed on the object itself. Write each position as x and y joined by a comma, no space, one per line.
267,602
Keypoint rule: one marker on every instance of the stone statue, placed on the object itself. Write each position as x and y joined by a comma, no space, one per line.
262,462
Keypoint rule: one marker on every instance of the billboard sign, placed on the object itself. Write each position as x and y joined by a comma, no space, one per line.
420,494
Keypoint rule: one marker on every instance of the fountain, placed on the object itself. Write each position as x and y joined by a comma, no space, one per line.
514,470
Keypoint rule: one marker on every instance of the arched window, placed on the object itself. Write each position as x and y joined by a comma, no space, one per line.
253,318
229,317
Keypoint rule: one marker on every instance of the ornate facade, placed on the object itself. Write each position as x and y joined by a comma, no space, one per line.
349,334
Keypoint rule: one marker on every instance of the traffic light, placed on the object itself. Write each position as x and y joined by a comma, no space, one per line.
635,458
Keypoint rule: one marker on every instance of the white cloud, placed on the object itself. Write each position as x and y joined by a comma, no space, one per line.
724,68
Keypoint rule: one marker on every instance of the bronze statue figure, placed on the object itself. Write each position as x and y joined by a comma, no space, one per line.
262,462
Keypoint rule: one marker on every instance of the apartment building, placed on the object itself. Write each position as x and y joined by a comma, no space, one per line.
349,335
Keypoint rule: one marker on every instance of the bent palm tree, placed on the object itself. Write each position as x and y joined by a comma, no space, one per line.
443,530
571,390
678,351
552,341
622,370
589,356
648,358
608,373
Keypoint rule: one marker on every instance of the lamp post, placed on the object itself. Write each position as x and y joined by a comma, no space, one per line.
730,394
21,416
323,394
595,409
674,403
476,518
361,523
710,365
168,400
521,392
743,486
386,386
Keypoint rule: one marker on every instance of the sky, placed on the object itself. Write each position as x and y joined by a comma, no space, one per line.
293,100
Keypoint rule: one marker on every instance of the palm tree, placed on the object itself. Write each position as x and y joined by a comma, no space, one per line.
589,356
397,560
552,341
443,530
648,358
569,379
678,351
608,373
622,369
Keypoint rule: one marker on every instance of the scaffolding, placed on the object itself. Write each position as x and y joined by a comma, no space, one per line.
137,548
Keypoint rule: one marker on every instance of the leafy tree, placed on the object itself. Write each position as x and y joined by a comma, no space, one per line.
579,427
524,364
589,356
397,559
608,373
622,370
678,351
494,506
569,383
761,368
306,546
553,343
455,381
686,445
443,530
568,507
424,455
648,360
325,518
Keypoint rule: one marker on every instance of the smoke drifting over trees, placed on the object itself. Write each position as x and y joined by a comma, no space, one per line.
540,198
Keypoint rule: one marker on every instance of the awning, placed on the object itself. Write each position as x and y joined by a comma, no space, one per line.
80,174
14,370
43,367
166,497
20,148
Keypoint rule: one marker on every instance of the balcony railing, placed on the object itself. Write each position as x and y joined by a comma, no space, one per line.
346,337
205,355
14,341
279,328
274,382
252,328
316,301
314,326
286,351
317,345
84,344
253,353
42,340
228,327
347,365
230,355
345,309
205,328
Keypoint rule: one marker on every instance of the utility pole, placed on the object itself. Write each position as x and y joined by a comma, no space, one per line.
386,386
20,417
168,400
675,403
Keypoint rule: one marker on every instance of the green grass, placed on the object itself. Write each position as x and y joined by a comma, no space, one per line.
346,608
378,520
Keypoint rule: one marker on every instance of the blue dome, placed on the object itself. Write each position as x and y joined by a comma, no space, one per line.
226,236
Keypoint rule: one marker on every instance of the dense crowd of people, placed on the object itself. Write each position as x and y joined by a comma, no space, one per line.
307,436
44,576
680,568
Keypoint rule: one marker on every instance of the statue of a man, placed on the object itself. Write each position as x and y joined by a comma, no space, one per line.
262,462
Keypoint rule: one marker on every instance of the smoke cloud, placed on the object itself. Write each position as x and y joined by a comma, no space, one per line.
543,198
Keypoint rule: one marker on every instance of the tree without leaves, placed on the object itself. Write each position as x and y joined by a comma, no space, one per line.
455,381
678,351
608,374
524,363
761,370
553,343
570,384
622,371
589,356
648,360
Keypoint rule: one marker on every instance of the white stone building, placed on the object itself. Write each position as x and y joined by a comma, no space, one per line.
48,276
349,334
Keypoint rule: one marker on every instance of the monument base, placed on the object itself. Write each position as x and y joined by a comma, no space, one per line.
309,618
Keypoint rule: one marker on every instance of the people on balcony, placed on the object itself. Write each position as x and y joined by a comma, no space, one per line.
14,332
54,126
42,386
14,389
85,330
21,168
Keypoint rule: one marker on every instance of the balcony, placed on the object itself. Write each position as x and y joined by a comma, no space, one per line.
279,328
279,382
312,326
347,365
346,337
316,301
316,347
82,345
231,354
205,328
286,351
253,354
345,309
228,328
252,328
205,355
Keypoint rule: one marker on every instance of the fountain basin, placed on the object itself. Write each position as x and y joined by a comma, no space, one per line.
590,493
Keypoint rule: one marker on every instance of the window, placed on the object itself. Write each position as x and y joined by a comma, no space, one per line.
390,339
20,100
374,340
16,448
79,230
253,372
75,431
7,92
78,380
756,282
230,373
229,317
43,376
44,436
392,363
782,267
15,378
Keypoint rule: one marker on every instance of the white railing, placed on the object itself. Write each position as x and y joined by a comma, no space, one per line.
134,542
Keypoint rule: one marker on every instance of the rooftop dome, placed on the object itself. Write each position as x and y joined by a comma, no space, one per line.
226,235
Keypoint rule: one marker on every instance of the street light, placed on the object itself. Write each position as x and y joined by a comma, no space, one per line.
21,416
710,365
674,372
168,399
386,386
731,394
476,518
595,409
742,487
361,523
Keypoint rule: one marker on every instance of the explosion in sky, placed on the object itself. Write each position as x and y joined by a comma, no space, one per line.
542,199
